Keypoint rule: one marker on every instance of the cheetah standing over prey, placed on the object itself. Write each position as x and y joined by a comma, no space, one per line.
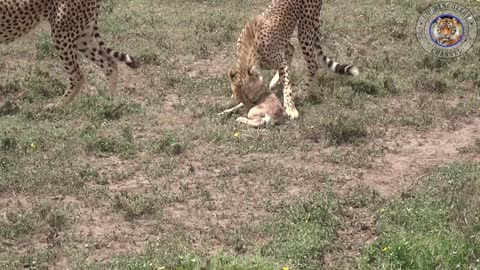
264,108
275,51
74,33
247,84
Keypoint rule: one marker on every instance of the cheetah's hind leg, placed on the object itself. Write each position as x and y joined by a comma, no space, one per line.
91,49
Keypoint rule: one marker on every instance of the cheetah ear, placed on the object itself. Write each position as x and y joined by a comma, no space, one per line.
454,20
232,72
439,20
252,70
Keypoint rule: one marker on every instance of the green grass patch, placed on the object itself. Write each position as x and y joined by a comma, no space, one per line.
135,206
167,145
44,47
302,232
219,262
345,129
22,221
297,237
109,142
434,229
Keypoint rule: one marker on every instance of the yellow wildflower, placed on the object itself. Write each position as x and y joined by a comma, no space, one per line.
34,146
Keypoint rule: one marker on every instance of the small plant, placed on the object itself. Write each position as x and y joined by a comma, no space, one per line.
152,59
44,47
10,87
112,111
345,130
364,87
109,144
17,223
168,145
23,221
88,172
41,84
8,143
390,86
431,84
134,206
9,108
472,149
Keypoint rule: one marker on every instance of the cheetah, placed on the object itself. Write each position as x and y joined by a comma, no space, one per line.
275,51
262,107
74,33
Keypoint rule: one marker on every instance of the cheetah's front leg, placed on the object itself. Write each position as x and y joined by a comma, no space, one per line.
288,102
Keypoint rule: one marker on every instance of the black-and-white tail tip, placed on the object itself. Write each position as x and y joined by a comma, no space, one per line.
124,57
340,68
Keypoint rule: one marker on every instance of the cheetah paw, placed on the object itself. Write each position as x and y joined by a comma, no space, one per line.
291,112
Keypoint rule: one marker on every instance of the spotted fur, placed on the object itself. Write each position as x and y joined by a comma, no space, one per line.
261,107
74,33
243,80
275,51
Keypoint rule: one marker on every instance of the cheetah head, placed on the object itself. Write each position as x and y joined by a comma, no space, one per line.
246,84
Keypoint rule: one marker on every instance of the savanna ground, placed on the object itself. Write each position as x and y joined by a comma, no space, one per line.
380,171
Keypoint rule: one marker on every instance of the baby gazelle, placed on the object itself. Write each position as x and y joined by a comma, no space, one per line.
261,106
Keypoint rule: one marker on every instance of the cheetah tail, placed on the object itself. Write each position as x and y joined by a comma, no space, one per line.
248,44
124,57
342,69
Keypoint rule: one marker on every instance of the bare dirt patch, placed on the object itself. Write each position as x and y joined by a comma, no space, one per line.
411,154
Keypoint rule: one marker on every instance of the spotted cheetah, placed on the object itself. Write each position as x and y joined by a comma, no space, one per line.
262,107
275,51
74,33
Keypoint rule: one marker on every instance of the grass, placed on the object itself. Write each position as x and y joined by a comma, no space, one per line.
435,229
345,130
134,206
472,149
297,236
223,262
152,177
302,232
